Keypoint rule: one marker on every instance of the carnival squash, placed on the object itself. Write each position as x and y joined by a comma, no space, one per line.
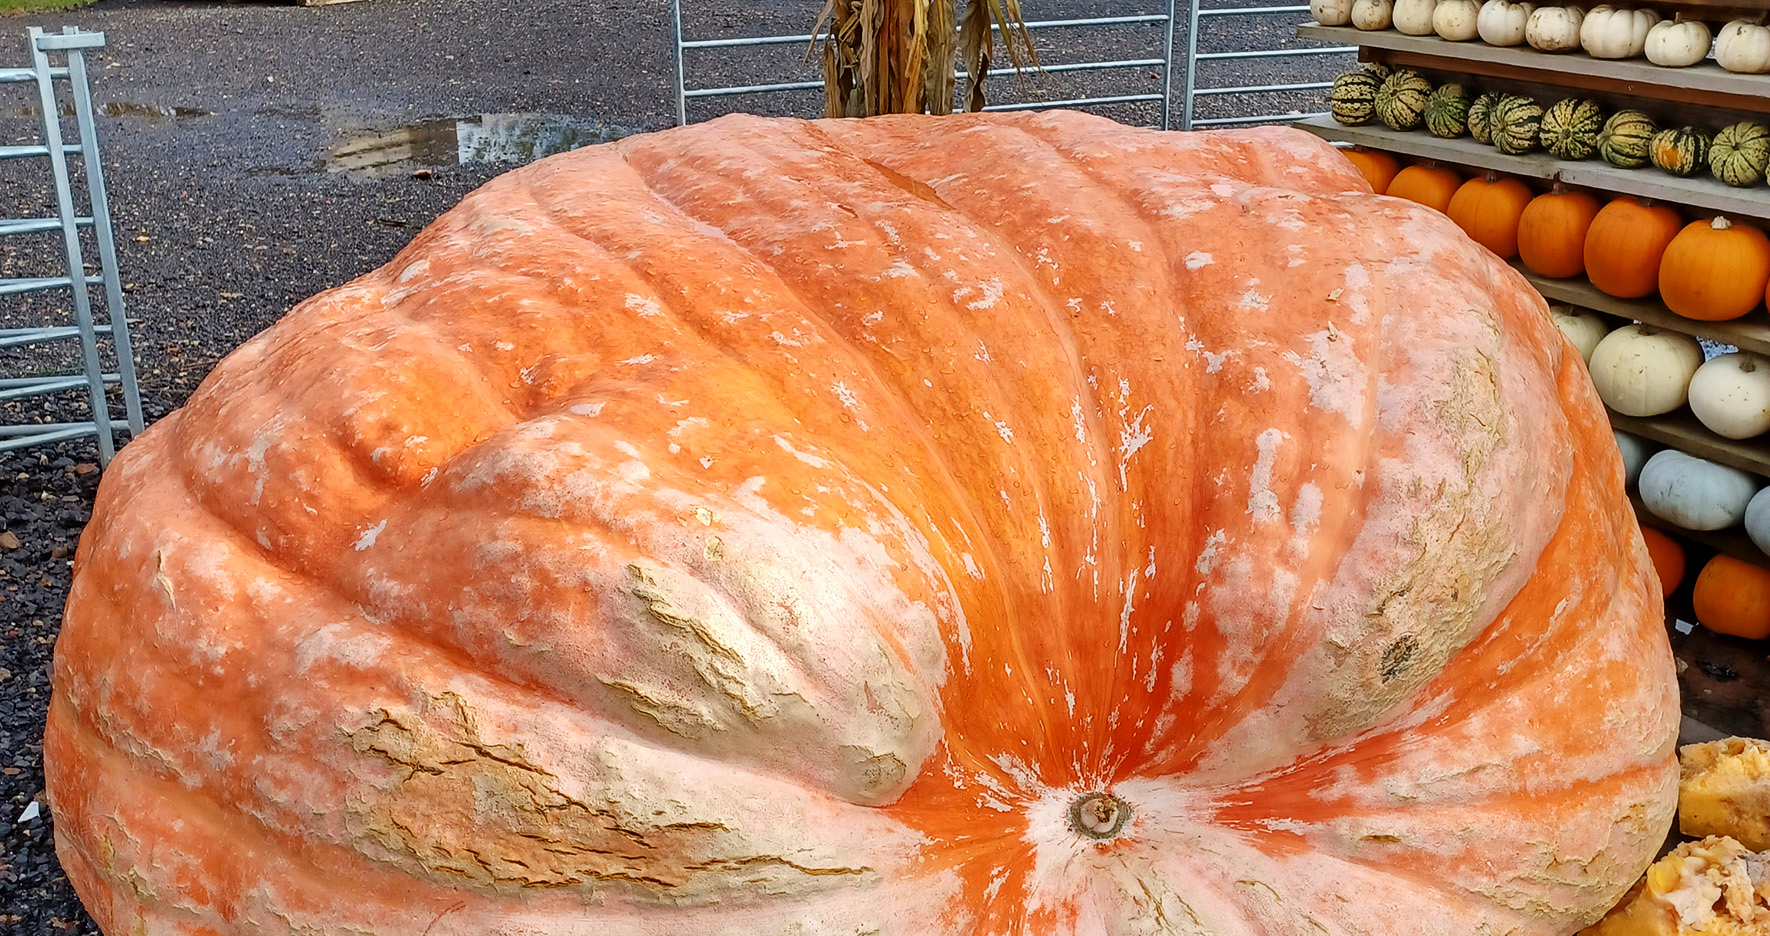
927,526
1625,243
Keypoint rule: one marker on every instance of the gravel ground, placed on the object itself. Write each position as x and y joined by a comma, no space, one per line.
220,128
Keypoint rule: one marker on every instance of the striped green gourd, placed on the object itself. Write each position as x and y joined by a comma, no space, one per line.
1623,142
1569,128
1447,111
1354,96
1679,151
1740,153
1480,110
1401,100
1516,124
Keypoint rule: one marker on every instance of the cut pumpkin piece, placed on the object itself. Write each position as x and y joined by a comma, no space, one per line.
1724,789
1714,887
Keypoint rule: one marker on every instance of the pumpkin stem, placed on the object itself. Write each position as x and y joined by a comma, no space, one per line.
1747,365
1720,223
1098,815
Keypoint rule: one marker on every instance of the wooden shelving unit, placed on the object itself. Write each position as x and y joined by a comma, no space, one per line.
1697,192
1702,95
1706,84
1751,333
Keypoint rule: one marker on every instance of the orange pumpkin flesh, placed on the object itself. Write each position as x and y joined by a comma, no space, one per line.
1552,232
1625,243
1428,185
1489,209
1715,270
1377,167
1733,597
1668,559
1016,524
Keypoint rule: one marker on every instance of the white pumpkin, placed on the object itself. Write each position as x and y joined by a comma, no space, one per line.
1640,370
1584,329
1731,395
1757,520
1457,20
1694,493
1678,43
1501,22
1372,14
1634,451
1744,47
1610,33
1331,12
1554,29
1414,17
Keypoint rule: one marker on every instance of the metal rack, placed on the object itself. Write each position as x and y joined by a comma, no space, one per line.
80,284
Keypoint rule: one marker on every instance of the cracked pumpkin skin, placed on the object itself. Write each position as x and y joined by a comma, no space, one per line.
978,525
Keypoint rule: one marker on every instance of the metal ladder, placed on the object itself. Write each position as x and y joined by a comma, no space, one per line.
104,425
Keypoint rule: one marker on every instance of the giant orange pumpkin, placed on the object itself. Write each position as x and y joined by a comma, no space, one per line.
991,524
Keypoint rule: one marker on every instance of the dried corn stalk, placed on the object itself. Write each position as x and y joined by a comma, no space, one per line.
897,56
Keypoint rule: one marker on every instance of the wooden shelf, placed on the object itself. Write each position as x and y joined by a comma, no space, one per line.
1706,84
1680,430
1700,192
1732,542
1751,333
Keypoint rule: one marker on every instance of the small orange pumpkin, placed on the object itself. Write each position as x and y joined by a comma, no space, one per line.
1379,168
1429,185
1715,270
1552,232
1733,597
1488,210
1668,559
1624,244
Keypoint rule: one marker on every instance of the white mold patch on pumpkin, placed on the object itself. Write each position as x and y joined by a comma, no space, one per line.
1262,501
1334,373
1198,259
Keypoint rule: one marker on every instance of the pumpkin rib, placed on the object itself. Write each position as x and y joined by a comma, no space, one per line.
836,562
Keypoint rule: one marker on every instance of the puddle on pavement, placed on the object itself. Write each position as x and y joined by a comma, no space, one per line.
489,138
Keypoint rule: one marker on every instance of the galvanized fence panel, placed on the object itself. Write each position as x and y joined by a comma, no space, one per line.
1156,45
1241,64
